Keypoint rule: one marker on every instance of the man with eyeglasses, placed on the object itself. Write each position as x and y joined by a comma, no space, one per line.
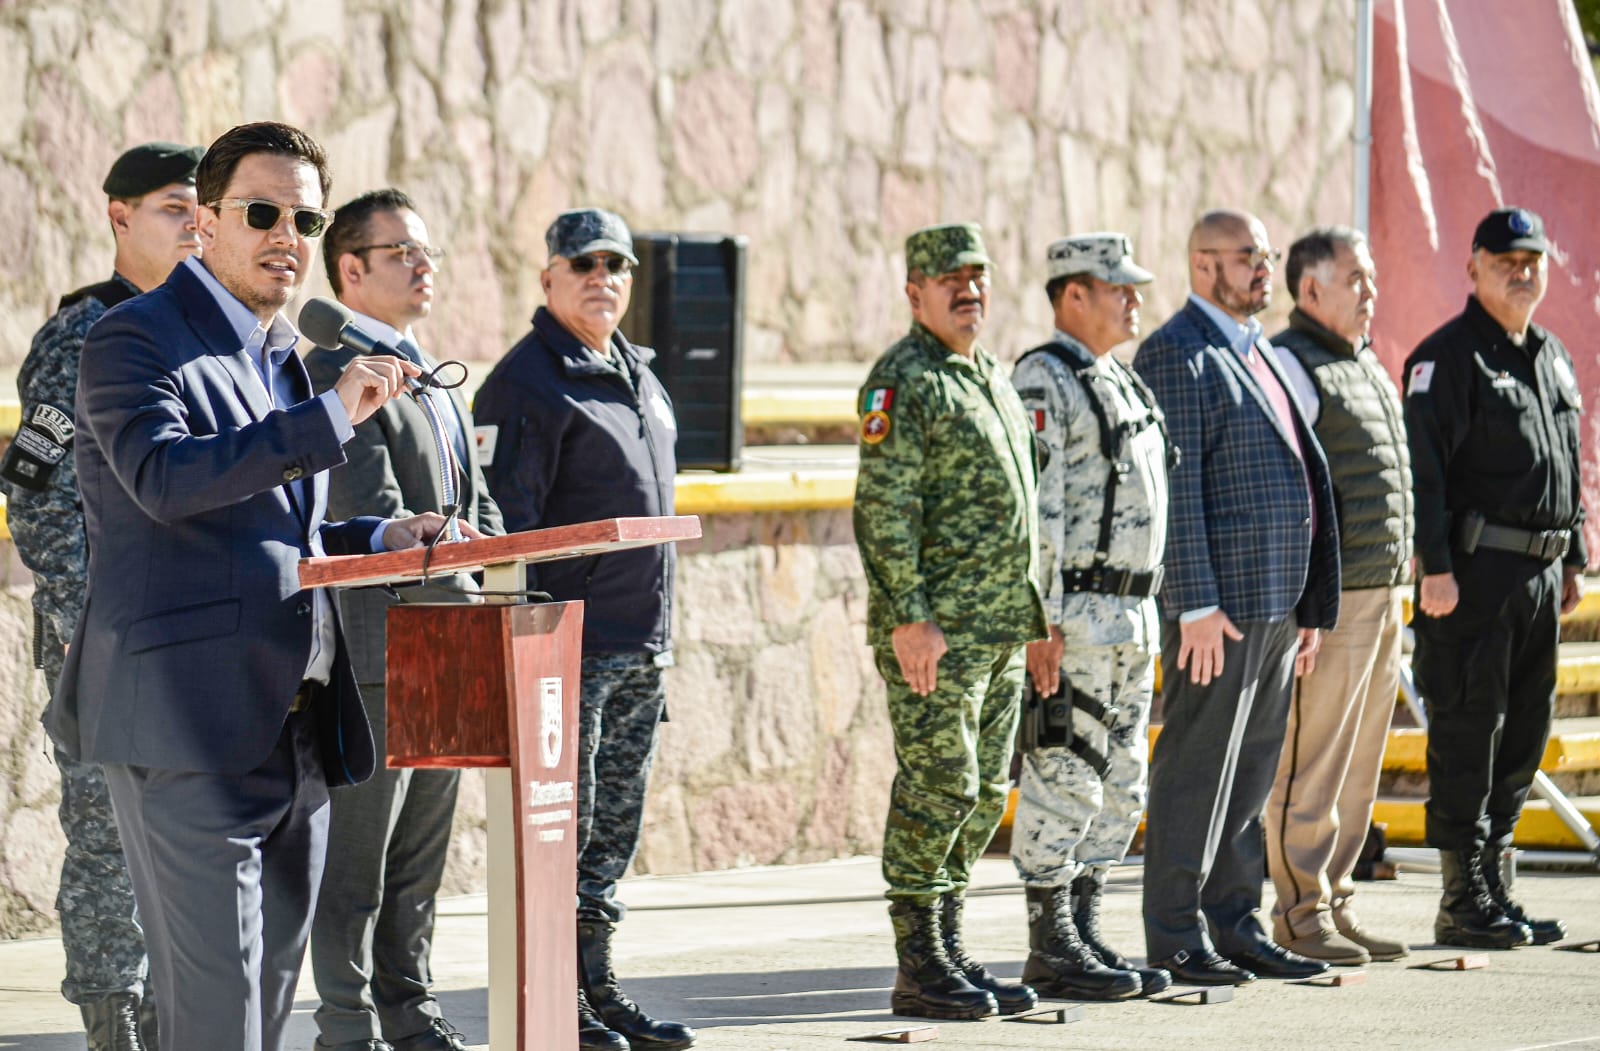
1320,809
150,191
1252,574
946,520
1492,411
388,837
216,692
575,427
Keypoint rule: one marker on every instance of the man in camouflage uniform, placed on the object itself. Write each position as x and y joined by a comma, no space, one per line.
1103,521
151,208
946,519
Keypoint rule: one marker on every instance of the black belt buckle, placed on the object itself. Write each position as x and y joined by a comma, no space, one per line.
302,696
1554,544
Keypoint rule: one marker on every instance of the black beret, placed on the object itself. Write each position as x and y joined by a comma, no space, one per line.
150,167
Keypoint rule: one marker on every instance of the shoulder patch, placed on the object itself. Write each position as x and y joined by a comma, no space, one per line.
875,426
1420,379
879,399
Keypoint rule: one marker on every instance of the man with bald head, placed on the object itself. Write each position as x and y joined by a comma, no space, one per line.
1252,574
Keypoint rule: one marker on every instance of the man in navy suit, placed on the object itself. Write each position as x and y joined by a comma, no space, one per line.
1252,573
213,689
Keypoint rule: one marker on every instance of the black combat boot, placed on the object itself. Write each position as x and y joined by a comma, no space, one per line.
1011,998
593,1035
112,1024
1059,964
927,984
1087,890
1468,915
1494,862
606,997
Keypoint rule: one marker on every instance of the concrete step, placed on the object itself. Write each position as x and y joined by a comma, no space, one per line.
1539,829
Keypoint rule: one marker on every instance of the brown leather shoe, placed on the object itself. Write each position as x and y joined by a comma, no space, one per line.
1329,947
1377,947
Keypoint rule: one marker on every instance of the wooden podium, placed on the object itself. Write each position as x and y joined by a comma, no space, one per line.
495,684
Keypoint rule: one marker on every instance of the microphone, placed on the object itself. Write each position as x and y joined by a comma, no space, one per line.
329,323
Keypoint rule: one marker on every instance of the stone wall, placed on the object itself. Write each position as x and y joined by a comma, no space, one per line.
825,130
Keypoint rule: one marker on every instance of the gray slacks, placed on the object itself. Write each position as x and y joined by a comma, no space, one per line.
225,872
1210,775
387,843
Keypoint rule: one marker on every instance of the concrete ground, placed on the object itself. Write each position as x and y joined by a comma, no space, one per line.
801,958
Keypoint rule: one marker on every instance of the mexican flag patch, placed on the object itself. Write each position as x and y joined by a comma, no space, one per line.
880,399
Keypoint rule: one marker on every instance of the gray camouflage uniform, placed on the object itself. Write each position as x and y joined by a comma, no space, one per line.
1068,817
103,943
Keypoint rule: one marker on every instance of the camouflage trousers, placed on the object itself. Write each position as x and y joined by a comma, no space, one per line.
619,708
99,931
952,754
1068,817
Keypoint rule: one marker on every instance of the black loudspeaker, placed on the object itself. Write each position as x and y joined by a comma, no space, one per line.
688,305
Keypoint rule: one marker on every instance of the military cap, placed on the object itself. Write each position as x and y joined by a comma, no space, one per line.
1510,230
936,250
150,167
1108,256
583,230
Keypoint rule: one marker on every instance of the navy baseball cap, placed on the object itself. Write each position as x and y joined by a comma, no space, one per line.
1510,230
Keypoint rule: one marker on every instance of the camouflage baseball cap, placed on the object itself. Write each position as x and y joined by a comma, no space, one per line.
936,250
1108,256
585,230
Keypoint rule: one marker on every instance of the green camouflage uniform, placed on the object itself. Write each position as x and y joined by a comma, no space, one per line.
945,518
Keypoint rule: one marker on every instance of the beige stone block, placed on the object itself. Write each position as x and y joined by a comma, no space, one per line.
1338,115
1116,193
1054,61
599,20
755,31
714,131
834,645
1336,39
308,89
1219,107
19,217
861,187
714,215
187,28
30,858
466,866
775,113
666,842
420,124
522,119
473,137
622,161
13,86
776,183
1160,73
154,111
425,32
866,102
1282,126
75,148
827,828
1016,60
778,725
1249,36
786,567
745,824
909,203
1011,162
236,23
208,85
503,37
1203,28
705,693
470,308
360,154
962,193
819,48
681,31
923,125
466,68
366,73
38,782
965,43
818,144
714,595
967,102
306,20
1080,183
109,61
54,33
259,93
877,298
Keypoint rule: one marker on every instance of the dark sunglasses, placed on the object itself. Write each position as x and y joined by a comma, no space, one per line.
265,215
584,264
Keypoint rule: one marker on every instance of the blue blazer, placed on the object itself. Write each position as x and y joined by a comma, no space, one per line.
195,632
1238,535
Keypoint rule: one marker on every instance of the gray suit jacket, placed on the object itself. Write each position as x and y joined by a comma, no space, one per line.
392,470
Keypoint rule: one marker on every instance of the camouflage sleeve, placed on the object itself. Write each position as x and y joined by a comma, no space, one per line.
888,503
47,524
1050,405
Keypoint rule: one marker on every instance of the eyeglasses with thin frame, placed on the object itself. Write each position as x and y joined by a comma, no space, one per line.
1254,256
614,264
411,253
266,215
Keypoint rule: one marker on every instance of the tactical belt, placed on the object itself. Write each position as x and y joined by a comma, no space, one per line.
1108,581
1547,545
1086,751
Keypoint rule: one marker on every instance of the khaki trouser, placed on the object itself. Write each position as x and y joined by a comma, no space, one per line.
1321,802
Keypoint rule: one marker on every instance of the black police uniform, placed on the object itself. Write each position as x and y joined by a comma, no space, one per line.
1493,430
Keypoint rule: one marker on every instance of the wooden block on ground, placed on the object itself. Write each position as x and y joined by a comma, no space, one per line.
1592,945
1211,994
1475,961
1335,979
1051,1015
915,1035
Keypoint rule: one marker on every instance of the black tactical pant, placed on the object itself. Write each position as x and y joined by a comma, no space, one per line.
1487,673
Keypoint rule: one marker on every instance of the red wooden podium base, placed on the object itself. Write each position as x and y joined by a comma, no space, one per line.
491,686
